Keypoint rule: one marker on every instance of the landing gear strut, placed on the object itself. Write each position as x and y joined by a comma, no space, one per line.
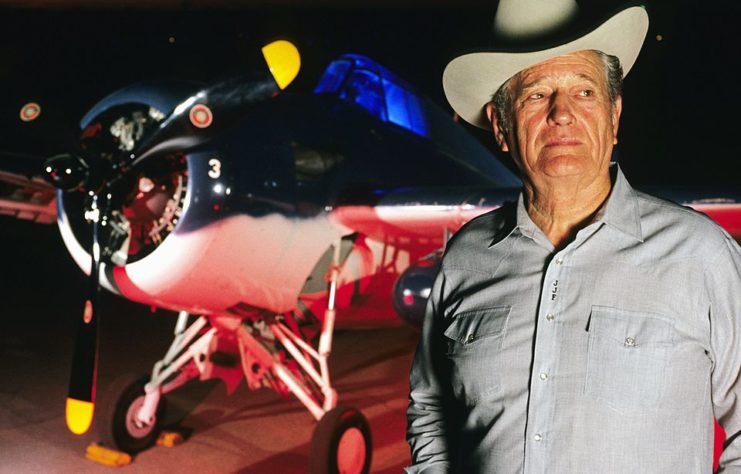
273,353
119,426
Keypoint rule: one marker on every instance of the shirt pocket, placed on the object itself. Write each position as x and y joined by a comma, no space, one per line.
474,340
627,357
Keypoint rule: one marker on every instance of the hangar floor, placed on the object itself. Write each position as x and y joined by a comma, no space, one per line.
250,432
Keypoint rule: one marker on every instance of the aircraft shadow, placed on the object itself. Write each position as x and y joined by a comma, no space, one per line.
384,441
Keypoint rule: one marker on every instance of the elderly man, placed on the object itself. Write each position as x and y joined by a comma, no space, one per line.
588,328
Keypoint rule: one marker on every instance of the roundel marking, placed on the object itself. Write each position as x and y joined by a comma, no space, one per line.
201,116
30,111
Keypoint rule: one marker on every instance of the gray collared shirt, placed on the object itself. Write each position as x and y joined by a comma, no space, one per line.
611,355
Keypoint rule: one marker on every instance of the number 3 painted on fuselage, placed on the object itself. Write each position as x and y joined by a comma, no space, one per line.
215,170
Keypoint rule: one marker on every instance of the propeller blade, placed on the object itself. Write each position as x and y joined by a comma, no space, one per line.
81,395
195,120
214,108
283,60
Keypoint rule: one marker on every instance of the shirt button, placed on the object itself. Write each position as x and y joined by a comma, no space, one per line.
559,261
630,342
538,437
543,376
549,317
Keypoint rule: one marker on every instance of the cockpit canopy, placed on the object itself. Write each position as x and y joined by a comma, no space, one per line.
362,81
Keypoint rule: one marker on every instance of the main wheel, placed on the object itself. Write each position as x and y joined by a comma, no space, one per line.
118,425
341,443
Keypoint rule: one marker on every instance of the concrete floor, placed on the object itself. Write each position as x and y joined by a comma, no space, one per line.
246,432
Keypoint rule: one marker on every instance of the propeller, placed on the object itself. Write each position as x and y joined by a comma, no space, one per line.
214,108
195,120
80,405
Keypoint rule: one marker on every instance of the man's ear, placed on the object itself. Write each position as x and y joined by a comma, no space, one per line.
617,109
499,134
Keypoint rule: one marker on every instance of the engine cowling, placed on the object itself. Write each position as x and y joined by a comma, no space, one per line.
145,206
412,289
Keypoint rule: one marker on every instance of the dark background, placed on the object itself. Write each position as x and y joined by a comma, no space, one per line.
681,99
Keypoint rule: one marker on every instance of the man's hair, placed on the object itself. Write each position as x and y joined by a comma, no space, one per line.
502,100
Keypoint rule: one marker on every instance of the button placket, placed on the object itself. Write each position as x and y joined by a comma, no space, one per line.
540,409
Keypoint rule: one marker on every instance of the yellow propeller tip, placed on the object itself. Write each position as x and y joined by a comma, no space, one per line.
283,60
79,415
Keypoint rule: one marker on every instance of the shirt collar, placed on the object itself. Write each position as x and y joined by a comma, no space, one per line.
620,211
524,223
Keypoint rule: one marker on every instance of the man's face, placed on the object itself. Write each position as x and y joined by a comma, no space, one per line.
563,124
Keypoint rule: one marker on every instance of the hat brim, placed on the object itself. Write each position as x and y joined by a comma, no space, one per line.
471,80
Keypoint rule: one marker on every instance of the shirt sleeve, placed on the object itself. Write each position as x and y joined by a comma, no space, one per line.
723,283
426,427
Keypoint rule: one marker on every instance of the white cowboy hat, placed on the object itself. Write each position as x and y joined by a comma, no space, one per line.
471,80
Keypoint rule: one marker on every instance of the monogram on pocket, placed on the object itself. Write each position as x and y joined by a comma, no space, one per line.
474,339
627,357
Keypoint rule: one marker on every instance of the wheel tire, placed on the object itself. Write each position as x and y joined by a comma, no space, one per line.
116,425
341,443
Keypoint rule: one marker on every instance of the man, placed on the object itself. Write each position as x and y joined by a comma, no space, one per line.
589,328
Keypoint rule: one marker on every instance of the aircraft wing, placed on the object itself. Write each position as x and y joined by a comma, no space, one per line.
33,129
23,193
414,216
723,205
418,216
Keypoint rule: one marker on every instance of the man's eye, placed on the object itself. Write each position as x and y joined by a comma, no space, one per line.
536,96
586,93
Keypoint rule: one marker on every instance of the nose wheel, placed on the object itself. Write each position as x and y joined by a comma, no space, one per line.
341,443
119,426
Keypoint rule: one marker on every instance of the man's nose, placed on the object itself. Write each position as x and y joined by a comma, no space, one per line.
561,112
